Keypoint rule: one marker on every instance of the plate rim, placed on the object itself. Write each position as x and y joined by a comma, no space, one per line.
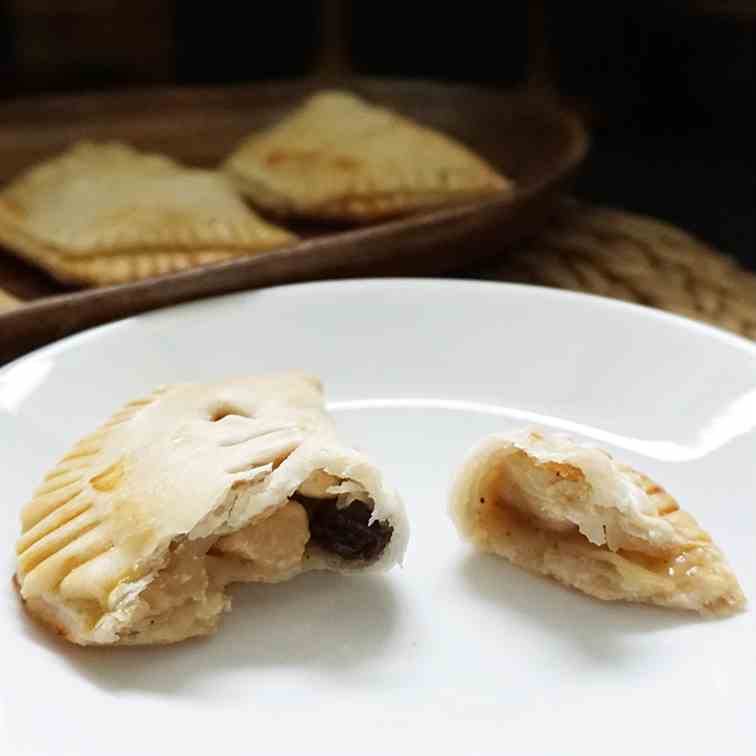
727,337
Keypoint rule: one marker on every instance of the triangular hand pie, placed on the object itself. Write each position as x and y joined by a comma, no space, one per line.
571,512
338,157
106,213
133,536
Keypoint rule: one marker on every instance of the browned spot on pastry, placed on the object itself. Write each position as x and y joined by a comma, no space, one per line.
564,471
302,157
345,163
668,508
109,478
346,532
276,157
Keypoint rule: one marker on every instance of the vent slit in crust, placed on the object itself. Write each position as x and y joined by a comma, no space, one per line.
43,505
57,483
56,519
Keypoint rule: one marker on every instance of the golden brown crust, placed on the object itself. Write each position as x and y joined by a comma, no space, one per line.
105,213
340,158
118,269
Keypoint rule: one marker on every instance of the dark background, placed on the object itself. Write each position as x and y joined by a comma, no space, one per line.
667,88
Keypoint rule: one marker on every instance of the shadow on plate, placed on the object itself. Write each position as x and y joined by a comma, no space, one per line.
606,632
317,622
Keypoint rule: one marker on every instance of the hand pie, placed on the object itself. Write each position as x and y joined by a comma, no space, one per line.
339,158
134,535
106,213
573,513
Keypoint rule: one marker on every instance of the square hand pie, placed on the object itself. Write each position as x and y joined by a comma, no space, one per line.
571,512
106,213
134,535
339,158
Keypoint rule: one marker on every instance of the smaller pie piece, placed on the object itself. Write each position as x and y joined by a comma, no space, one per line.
571,512
340,158
105,213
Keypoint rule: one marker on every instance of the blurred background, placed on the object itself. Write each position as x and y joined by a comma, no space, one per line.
666,87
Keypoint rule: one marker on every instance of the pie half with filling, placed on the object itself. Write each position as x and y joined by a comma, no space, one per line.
571,512
134,535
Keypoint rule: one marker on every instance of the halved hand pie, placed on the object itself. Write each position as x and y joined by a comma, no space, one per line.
338,157
134,535
573,513
106,213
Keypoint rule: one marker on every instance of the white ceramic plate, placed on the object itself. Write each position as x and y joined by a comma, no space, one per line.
456,653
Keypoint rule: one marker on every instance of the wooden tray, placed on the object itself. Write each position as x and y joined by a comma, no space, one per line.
529,137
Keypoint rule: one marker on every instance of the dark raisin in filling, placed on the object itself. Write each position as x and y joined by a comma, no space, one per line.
346,531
